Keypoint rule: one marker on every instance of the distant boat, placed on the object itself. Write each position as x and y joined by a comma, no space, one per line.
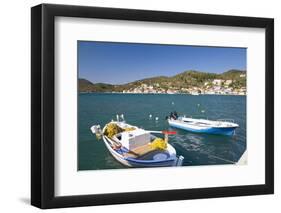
136,147
221,127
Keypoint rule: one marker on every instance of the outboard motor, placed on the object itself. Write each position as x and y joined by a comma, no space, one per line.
173,115
176,115
96,129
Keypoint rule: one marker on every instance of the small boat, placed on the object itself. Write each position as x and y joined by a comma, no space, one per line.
221,127
136,147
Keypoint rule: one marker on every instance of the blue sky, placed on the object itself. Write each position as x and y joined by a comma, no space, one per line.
118,63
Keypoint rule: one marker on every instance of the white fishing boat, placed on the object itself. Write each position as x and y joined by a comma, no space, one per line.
221,127
136,147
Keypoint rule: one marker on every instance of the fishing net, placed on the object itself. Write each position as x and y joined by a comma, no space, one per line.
159,143
113,129
129,129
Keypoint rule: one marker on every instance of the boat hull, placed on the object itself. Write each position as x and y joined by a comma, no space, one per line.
208,130
131,162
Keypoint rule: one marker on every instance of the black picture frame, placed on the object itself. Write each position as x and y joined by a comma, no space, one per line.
43,117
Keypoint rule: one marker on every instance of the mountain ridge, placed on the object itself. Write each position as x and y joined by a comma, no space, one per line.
186,79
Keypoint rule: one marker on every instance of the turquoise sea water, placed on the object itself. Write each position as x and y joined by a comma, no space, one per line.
197,149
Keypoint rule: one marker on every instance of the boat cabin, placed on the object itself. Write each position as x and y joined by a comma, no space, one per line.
134,139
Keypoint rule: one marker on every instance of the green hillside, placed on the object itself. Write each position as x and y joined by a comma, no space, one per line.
187,79
87,86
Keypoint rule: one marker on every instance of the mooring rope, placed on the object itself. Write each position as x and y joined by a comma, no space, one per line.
211,155
220,158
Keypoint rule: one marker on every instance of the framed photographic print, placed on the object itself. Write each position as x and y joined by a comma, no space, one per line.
140,106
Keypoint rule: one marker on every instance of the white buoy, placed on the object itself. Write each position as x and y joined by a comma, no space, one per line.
173,103
156,118
150,116
202,111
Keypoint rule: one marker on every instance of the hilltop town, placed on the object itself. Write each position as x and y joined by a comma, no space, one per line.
217,86
232,82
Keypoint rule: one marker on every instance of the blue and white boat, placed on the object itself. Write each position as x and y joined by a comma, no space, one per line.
220,127
136,147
